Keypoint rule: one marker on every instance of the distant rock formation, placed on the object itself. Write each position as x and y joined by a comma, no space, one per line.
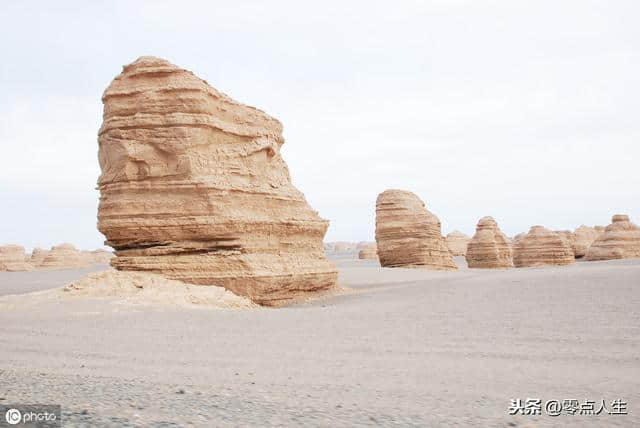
63,256
584,237
37,256
344,247
101,256
568,236
457,243
620,240
407,235
489,248
542,247
193,187
369,252
13,258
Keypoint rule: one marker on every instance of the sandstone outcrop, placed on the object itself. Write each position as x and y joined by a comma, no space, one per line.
37,256
193,187
540,247
13,258
584,237
408,235
570,237
457,243
63,256
369,252
489,248
620,240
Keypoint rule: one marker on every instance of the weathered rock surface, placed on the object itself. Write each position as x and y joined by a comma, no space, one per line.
620,240
369,252
570,237
489,248
457,243
408,235
540,247
37,256
584,237
13,258
193,187
63,256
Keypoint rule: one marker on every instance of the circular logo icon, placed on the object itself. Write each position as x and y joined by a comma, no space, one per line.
13,416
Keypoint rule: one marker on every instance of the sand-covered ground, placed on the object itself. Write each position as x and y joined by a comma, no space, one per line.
396,348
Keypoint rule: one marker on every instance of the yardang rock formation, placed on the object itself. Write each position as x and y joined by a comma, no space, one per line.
584,237
193,187
457,243
369,252
407,235
13,258
489,248
620,240
542,247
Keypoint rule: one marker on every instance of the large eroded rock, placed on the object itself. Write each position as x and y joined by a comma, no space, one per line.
13,258
193,187
407,235
542,246
584,237
457,243
489,248
620,240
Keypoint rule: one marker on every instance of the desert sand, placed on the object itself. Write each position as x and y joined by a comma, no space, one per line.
401,347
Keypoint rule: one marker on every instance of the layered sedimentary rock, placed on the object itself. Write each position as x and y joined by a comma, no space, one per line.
489,248
620,240
584,237
568,236
369,252
63,256
13,258
101,256
37,256
193,187
408,235
540,247
457,243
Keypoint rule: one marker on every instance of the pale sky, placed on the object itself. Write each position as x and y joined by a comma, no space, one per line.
527,111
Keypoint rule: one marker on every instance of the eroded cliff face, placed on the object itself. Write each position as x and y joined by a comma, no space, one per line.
408,235
620,240
193,187
542,246
489,248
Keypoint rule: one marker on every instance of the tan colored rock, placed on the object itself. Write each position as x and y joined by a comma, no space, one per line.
101,256
457,243
193,187
64,256
344,247
489,248
37,256
369,252
584,237
408,235
542,247
620,240
568,236
13,258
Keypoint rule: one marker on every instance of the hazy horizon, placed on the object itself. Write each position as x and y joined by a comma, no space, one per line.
526,112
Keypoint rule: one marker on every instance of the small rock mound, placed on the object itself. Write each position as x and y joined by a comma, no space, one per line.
620,240
584,237
369,252
489,248
457,243
153,289
63,256
542,247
